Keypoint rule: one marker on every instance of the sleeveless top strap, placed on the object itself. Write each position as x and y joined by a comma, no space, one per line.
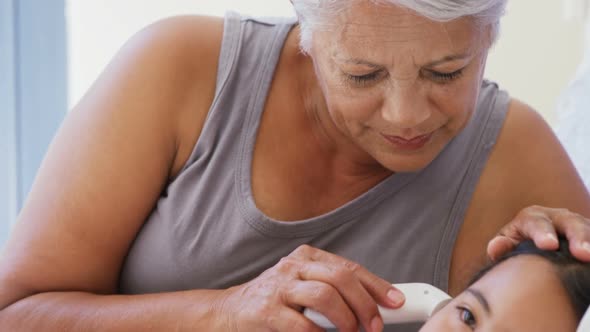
477,141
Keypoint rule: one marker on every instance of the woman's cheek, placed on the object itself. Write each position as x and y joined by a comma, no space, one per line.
356,107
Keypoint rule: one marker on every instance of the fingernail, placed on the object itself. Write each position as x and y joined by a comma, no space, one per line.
377,324
552,237
396,297
586,247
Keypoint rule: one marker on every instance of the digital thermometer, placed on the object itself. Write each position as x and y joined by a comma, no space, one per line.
422,301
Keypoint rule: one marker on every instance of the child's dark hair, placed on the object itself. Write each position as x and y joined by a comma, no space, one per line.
574,274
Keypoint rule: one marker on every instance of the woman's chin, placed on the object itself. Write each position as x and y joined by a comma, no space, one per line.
409,160
406,163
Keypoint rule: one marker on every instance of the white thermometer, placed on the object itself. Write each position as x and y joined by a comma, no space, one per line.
422,301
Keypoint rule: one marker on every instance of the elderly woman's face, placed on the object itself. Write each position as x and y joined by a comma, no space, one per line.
522,294
398,85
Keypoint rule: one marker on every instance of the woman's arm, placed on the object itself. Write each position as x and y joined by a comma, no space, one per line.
102,176
528,167
197,310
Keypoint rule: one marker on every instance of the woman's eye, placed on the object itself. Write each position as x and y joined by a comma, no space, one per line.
363,79
467,317
445,77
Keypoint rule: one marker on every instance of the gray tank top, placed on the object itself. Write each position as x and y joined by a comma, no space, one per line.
207,233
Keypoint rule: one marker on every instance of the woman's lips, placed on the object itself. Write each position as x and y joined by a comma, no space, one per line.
411,144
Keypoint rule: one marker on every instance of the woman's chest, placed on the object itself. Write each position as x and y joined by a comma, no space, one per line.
294,174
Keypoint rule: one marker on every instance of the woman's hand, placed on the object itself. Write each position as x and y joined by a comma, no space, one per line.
542,224
343,291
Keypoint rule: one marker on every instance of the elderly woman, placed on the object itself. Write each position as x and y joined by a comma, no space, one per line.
221,175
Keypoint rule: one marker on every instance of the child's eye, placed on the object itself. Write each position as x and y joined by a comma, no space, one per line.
467,317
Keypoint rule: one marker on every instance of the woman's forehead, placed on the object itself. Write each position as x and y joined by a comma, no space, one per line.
395,33
372,45
390,20
371,31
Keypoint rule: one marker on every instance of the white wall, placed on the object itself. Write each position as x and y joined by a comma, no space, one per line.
98,28
537,53
534,59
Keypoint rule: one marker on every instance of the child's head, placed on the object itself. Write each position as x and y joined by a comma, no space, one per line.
526,290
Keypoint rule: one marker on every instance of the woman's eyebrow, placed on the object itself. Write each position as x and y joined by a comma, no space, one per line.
356,61
479,296
449,58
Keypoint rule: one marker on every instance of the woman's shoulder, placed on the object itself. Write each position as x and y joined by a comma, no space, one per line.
180,55
183,50
185,45
526,134
185,36
528,165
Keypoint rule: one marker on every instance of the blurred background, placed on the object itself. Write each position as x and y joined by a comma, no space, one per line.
51,51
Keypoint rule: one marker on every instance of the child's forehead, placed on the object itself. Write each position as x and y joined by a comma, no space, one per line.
527,269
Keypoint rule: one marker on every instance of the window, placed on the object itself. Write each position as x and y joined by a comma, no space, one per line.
33,92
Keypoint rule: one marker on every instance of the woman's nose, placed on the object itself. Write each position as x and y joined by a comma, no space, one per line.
405,107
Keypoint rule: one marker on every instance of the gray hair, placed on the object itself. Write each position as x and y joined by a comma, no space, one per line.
312,13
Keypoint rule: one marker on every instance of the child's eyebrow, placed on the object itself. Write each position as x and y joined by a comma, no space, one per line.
481,298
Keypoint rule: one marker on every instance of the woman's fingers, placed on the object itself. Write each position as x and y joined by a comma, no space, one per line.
499,245
323,298
536,224
531,223
576,228
360,289
380,290
346,285
288,319
542,225
385,294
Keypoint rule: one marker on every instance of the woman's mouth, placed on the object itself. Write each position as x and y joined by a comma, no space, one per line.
409,144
